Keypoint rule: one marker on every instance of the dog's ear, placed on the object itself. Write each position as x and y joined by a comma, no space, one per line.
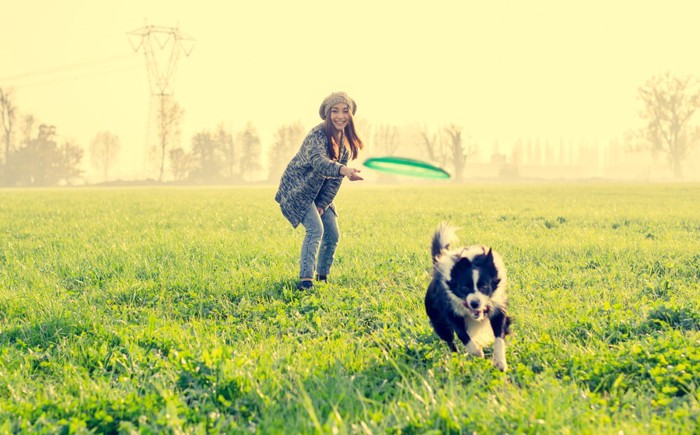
489,258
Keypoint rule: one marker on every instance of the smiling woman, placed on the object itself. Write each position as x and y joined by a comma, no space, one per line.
311,181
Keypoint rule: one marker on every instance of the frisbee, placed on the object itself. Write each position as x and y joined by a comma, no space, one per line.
405,166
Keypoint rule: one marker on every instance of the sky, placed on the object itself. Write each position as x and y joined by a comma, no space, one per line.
502,70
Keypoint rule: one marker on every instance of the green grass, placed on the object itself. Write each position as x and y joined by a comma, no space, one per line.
175,309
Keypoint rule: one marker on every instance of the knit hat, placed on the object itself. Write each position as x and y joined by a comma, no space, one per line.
333,99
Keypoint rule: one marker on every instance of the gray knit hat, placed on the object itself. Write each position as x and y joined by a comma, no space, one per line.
333,99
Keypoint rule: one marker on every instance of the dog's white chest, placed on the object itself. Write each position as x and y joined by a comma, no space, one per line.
480,331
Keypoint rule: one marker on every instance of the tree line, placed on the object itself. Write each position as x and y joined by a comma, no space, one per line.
40,159
33,154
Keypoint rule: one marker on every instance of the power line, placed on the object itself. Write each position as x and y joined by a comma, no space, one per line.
75,66
78,77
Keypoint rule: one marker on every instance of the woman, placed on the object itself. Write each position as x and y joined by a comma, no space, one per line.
311,181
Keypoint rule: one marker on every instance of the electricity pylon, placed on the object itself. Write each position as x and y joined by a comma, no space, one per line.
162,47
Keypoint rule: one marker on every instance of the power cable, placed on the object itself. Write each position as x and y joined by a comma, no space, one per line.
78,77
75,66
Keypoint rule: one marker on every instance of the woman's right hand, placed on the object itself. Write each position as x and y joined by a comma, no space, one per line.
351,173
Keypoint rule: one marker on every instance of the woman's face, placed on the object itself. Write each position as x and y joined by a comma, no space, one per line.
340,115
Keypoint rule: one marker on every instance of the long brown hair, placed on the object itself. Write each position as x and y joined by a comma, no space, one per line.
350,134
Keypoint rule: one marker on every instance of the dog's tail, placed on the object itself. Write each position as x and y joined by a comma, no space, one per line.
444,237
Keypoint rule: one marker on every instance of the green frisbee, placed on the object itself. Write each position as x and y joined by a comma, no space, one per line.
406,166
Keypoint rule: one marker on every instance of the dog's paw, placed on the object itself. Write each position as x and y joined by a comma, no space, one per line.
500,364
499,355
474,350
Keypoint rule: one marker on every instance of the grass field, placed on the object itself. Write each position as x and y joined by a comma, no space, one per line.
175,310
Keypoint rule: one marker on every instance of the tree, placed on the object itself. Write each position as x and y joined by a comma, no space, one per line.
42,161
386,139
454,146
38,162
69,167
288,139
8,115
104,149
180,163
457,150
364,129
434,147
17,159
43,171
669,105
28,123
207,157
228,148
386,142
250,151
169,119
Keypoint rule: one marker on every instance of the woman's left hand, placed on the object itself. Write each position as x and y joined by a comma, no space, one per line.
352,173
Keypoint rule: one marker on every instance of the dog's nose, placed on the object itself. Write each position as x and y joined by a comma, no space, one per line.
474,304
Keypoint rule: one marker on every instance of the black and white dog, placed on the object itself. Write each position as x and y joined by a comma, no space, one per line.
467,296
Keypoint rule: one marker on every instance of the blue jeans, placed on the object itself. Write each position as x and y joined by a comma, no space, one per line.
318,248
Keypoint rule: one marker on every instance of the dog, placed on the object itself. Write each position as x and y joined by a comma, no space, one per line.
467,296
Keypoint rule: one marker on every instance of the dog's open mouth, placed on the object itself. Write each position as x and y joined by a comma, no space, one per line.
478,313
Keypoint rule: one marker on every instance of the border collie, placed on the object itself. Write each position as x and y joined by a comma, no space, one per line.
467,296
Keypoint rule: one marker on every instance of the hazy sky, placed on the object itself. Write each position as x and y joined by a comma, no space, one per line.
501,69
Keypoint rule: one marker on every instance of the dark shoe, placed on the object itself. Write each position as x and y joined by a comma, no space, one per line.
305,285
322,278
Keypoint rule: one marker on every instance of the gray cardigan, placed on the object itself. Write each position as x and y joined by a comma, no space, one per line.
311,176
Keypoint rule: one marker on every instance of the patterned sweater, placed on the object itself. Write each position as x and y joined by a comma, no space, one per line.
311,176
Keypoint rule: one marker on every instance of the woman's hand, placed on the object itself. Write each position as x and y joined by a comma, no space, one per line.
320,210
351,173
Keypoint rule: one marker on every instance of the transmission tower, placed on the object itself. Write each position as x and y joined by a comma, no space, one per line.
162,47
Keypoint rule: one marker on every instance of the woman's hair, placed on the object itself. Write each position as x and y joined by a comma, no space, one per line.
353,139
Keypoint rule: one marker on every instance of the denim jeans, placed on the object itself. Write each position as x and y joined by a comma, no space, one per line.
318,248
